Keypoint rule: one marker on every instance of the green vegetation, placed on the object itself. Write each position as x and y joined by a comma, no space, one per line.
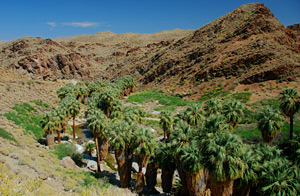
4,134
244,97
146,96
26,116
164,108
40,103
216,92
67,149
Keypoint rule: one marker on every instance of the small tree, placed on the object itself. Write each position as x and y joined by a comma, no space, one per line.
290,104
270,122
166,121
234,112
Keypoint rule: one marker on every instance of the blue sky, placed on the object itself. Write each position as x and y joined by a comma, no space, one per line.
58,18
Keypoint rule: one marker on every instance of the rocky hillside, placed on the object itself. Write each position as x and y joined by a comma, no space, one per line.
80,57
246,46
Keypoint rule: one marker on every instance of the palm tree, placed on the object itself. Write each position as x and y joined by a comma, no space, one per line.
270,122
213,106
66,90
215,123
166,161
290,104
144,147
194,115
49,126
196,176
280,177
221,157
182,135
73,110
234,112
107,96
166,121
97,124
121,134
134,114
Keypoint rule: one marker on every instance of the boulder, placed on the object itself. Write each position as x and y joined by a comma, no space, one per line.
67,162
79,148
92,165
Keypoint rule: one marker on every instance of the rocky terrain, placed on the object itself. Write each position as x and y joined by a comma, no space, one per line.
246,46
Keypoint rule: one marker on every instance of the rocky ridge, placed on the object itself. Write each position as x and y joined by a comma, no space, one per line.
246,46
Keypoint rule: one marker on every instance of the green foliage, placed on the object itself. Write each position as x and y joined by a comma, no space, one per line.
216,92
67,149
269,123
244,97
162,99
165,108
40,103
25,116
6,135
221,156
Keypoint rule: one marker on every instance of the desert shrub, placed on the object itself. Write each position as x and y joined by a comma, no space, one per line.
67,149
6,135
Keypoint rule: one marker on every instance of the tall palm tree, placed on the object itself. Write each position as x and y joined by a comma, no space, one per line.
221,156
166,121
182,135
122,141
144,147
196,176
97,124
234,112
290,104
270,122
73,110
49,126
166,161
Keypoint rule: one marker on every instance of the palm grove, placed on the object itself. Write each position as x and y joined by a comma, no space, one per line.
197,142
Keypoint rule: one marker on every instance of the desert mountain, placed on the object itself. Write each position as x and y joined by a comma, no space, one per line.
248,45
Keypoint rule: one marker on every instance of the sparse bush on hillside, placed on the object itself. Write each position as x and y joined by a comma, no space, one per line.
6,135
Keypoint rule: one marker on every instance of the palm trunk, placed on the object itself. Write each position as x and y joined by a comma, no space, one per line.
223,188
103,145
167,180
165,133
196,183
240,189
50,140
74,136
64,126
124,161
58,136
140,184
151,178
291,127
182,176
98,155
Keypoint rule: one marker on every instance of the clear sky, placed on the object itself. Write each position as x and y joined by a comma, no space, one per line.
59,18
